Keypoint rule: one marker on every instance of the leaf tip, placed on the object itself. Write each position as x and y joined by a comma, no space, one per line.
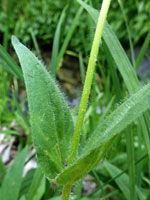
14,40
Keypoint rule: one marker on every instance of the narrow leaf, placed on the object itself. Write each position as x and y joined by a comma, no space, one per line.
53,67
2,170
122,181
115,49
40,191
12,181
68,36
11,66
36,182
9,132
142,50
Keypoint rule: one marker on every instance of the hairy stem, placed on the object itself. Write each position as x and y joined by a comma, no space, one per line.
88,80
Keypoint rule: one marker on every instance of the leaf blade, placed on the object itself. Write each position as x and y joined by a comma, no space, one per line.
12,181
51,121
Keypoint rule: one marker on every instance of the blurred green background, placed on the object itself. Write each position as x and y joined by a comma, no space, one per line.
41,17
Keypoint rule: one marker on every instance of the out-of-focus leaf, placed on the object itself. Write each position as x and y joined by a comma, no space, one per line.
11,66
53,67
2,170
122,181
35,185
12,181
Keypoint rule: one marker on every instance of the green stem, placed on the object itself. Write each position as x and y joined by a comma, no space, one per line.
66,192
88,80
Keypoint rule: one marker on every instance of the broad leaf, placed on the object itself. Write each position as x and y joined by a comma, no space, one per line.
51,121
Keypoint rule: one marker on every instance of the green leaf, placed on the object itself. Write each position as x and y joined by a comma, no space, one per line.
35,185
104,135
122,181
115,49
9,132
143,50
12,181
68,37
23,198
53,66
113,46
26,182
52,125
2,170
55,198
51,121
11,66
40,191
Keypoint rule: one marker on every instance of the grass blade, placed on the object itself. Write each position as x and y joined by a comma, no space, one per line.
128,32
9,132
36,44
124,171
2,170
113,71
36,182
53,66
11,63
12,181
142,51
122,181
68,36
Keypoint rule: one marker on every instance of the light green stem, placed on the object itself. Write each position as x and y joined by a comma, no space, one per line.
88,80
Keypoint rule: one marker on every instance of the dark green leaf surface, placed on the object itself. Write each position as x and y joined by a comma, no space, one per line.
12,181
51,121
